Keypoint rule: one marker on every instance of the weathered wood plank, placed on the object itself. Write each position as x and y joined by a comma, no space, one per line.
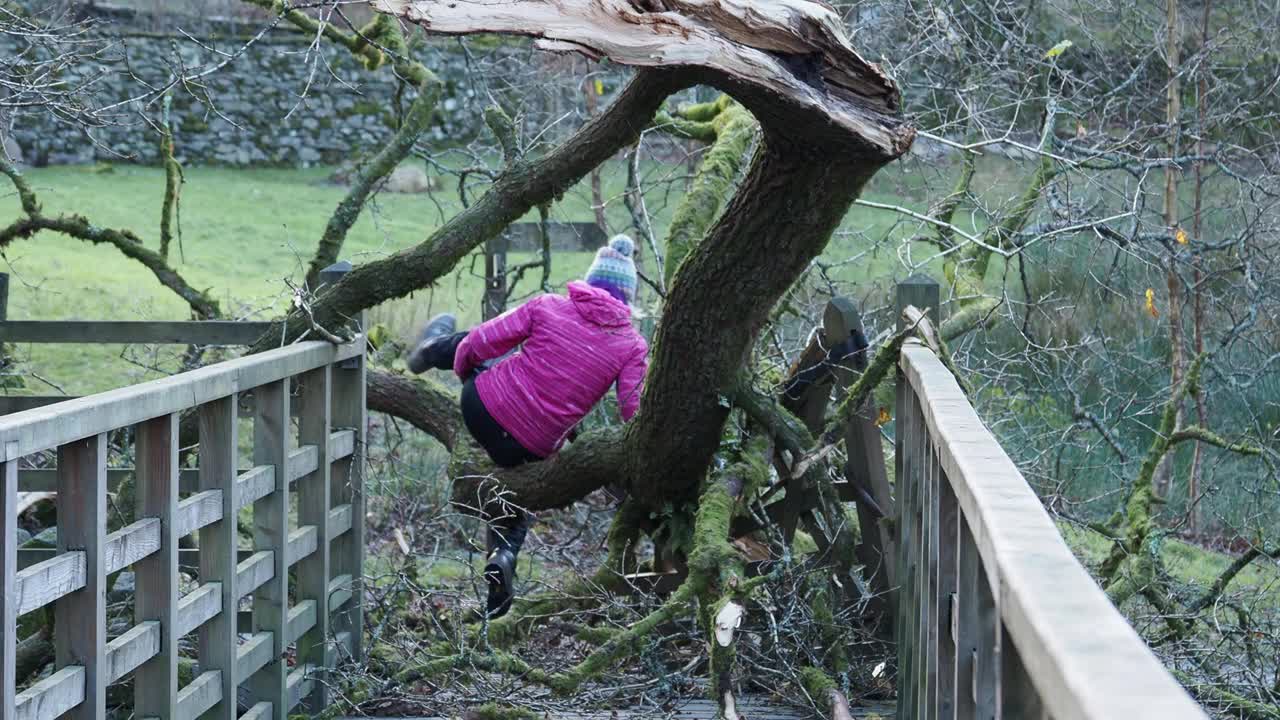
18,403
199,510
26,432
131,544
134,647
967,625
129,332
199,696
155,684
902,504
1069,634
255,484
1018,697
300,684
261,711
303,461
47,581
339,520
219,444
990,644
303,543
948,559
254,571
314,512
199,607
272,443
46,479
341,444
8,598
52,697
254,653
302,617
339,592
347,487
81,616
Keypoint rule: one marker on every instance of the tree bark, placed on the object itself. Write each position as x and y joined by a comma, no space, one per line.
1173,110
777,223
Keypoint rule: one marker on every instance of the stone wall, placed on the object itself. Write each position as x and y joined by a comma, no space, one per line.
276,104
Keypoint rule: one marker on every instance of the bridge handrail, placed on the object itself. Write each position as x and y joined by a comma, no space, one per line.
30,431
318,462
1006,575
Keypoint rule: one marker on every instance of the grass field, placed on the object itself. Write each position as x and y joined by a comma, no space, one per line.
244,231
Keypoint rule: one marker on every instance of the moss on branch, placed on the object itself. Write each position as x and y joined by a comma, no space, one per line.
730,129
202,305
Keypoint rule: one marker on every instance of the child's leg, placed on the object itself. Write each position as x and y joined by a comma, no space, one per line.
435,351
508,525
508,532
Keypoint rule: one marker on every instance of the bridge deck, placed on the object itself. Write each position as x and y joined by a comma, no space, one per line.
750,709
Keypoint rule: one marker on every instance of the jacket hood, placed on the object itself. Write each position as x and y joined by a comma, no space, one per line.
597,306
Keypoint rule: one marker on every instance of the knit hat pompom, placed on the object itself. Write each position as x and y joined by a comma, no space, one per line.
623,245
613,269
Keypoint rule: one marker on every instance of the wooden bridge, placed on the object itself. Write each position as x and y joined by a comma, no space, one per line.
995,618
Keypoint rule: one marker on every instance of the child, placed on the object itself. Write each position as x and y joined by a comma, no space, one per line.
522,407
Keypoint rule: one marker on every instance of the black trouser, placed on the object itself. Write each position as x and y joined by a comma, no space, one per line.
507,528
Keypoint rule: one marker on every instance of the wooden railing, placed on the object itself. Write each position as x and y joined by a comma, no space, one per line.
996,617
303,485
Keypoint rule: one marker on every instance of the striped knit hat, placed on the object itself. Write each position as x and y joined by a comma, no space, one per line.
613,269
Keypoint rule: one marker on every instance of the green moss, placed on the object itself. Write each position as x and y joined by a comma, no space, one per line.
734,129
494,711
819,686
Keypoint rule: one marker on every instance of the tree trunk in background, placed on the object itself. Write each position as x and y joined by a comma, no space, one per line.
1173,108
1197,309
597,192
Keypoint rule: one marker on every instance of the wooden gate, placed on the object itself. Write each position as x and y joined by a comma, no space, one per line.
300,481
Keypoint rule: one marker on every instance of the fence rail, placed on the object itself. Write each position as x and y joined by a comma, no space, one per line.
318,462
996,617
126,332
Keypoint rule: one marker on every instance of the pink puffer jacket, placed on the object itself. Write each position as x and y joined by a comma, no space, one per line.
571,350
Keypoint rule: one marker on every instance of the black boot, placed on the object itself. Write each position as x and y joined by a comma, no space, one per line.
506,537
434,348
500,575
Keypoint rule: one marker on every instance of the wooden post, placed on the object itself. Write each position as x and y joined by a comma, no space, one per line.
8,600
865,467
81,617
346,485
967,624
495,276
271,446
1018,695
219,463
921,291
947,598
155,683
6,381
990,641
313,509
906,436
932,480
911,444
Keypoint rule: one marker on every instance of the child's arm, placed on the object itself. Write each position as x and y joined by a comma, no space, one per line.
494,338
630,382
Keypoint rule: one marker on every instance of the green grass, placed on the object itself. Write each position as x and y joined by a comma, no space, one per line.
245,231
1186,563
